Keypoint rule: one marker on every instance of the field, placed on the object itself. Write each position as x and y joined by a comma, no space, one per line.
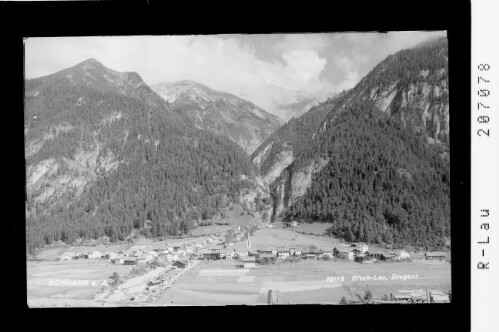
224,282
81,280
315,228
233,217
221,282
279,237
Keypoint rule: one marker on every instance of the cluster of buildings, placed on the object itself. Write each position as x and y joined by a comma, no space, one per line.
71,255
213,247
420,296
178,255
359,252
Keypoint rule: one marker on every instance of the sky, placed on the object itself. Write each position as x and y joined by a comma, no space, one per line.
249,66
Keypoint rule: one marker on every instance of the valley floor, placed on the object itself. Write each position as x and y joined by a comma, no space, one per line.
83,282
221,283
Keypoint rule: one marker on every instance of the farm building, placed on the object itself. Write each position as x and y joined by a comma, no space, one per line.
189,250
229,254
212,239
181,264
242,253
435,256
309,255
401,298
95,254
294,252
130,261
268,251
283,254
67,256
438,297
138,251
209,255
389,257
80,255
326,252
376,255
171,257
402,254
266,257
362,247
249,259
343,254
194,256
180,252
153,253
415,295
118,260
249,265
293,223
363,259
149,258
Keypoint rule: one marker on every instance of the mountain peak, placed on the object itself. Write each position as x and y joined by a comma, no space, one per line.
91,61
89,65
187,82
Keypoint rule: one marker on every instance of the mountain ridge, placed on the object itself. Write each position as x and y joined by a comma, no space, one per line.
240,120
403,102
104,154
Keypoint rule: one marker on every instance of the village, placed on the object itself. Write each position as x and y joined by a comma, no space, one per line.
215,247
152,268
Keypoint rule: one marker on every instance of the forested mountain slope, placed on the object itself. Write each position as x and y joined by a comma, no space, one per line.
222,113
373,161
104,154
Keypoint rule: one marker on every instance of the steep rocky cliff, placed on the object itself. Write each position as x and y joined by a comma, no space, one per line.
405,96
104,154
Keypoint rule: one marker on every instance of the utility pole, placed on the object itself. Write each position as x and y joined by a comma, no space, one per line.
273,297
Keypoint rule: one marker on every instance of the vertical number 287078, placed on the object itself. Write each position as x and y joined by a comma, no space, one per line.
483,93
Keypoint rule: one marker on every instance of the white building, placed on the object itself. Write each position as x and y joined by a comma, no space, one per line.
402,254
242,253
95,254
67,256
283,254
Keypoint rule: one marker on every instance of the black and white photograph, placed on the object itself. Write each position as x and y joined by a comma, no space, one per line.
238,169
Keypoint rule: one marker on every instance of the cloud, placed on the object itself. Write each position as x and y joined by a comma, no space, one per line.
309,41
250,66
351,73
